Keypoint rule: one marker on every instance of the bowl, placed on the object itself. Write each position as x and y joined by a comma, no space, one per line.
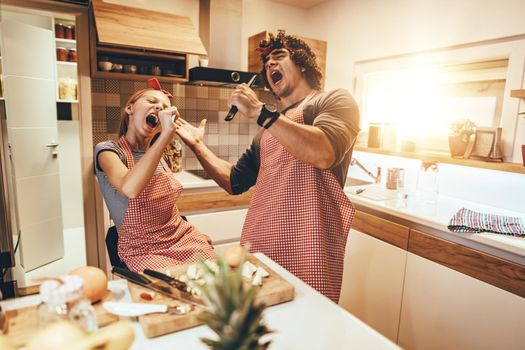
116,68
130,68
105,66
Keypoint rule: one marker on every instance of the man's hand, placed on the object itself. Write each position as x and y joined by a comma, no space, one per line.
191,135
246,101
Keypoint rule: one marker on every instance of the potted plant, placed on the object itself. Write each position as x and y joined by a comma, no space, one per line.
461,130
232,312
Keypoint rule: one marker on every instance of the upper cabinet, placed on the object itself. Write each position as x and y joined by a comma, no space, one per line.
133,43
254,60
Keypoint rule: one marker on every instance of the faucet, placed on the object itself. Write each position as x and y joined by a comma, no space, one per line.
377,177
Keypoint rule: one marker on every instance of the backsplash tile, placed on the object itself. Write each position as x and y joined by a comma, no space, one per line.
228,140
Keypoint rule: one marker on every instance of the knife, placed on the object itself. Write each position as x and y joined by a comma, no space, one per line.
159,286
168,279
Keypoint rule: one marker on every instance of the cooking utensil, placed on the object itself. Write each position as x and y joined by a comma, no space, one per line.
168,279
233,110
139,309
158,286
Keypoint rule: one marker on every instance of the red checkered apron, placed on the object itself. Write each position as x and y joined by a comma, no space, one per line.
299,216
152,234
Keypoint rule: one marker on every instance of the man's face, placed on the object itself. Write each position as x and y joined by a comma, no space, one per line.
282,73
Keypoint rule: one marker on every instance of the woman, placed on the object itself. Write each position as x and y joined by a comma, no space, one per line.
140,190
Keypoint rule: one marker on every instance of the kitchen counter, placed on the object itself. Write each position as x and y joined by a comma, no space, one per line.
310,321
437,217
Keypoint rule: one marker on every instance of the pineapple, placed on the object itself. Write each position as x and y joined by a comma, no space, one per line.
231,312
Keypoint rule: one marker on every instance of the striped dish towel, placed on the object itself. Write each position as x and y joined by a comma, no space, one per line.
466,220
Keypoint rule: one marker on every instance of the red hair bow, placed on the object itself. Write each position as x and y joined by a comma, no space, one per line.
154,84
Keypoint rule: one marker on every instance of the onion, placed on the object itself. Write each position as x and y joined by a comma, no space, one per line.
95,282
233,255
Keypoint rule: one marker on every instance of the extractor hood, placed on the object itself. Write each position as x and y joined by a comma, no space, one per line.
220,77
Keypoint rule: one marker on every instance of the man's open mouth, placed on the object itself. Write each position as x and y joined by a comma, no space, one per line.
152,120
276,77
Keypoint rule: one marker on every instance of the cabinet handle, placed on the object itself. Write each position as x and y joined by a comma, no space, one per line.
52,144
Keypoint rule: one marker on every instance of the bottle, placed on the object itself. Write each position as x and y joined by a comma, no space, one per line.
63,299
427,182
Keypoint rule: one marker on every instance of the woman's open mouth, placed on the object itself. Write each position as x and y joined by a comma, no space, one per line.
152,120
276,77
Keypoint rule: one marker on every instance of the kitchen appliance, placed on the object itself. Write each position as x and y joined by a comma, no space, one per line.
220,77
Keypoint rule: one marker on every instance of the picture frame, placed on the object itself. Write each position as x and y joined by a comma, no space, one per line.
486,145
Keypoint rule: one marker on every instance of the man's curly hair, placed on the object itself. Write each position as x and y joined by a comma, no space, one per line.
300,53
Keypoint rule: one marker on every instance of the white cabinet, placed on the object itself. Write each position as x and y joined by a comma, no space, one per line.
373,282
445,309
224,227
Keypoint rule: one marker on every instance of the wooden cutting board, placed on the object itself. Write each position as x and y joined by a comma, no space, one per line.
274,290
23,322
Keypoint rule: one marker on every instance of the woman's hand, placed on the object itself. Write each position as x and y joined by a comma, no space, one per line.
246,101
166,117
191,135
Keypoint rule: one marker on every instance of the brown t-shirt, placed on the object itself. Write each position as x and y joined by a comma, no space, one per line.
335,113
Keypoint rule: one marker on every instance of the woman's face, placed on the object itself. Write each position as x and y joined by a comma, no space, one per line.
150,103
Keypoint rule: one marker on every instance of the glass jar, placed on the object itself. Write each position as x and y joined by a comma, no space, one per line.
61,54
68,32
67,89
427,182
72,55
63,299
59,31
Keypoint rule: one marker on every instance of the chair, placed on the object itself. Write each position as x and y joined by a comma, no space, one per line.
112,247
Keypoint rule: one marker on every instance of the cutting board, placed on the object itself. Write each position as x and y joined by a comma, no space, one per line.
274,290
23,322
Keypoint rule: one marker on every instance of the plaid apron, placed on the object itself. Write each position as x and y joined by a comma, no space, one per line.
153,234
299,216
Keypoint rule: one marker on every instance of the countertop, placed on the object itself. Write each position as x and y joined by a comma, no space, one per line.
438,215
434,216
310,321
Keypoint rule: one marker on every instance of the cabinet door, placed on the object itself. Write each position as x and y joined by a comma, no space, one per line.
222,226
373,282
445,309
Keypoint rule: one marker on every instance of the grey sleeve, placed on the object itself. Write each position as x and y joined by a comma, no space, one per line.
244,173
107,146
336,113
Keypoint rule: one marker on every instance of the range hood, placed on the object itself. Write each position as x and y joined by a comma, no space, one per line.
220,77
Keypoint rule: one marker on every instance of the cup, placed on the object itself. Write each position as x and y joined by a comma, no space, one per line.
130,68
117,67
374,136
155,70
395,178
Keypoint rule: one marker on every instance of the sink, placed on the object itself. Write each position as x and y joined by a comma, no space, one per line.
352,181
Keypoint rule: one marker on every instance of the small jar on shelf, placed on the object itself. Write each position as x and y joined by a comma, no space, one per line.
72,55
61,54
68,32
59,30
67,89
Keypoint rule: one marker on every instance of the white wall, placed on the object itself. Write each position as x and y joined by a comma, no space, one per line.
365,29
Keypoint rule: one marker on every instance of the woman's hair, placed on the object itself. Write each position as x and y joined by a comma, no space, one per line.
124,121
300,53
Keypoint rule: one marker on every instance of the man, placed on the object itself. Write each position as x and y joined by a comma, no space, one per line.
299,215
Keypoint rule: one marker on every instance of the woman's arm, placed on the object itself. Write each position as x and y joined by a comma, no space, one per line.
131,182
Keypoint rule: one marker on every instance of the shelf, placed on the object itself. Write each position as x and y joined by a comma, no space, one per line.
129,76
66,63
447,159
518,93
66,41
67,101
